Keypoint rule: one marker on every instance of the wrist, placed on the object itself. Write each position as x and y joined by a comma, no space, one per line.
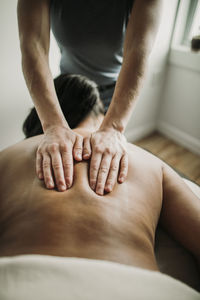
55,121
114,125
52,126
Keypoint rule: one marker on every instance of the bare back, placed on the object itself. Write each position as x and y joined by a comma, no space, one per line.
119,226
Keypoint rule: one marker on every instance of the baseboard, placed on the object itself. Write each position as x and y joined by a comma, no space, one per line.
136,133
180,137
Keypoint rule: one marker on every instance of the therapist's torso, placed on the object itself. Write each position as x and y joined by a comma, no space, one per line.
90,35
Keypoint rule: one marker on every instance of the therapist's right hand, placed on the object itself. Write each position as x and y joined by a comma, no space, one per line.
54,157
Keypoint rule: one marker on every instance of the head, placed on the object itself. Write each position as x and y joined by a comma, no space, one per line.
79,100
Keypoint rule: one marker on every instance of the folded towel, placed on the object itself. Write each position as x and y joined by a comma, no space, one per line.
55,278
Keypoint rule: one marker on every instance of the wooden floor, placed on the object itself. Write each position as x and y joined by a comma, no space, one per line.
181,159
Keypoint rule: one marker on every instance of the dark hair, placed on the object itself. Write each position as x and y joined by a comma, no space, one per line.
78,97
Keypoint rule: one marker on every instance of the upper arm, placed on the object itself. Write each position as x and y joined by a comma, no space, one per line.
180,214
34,23
143,24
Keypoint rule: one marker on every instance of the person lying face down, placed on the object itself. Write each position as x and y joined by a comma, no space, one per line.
118,226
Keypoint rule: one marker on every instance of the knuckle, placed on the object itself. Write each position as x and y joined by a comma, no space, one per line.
86,139
56,166
53,147
98,149
100,182
103,170
93,180
45,165
78,148
67,157
67,164
94,168
123,167
64,147
113,167
108,150
124,163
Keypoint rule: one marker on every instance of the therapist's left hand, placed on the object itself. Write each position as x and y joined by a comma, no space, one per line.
109,159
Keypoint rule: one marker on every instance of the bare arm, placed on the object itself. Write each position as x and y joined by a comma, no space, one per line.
180,214
139,39
34,34
59,142
140,35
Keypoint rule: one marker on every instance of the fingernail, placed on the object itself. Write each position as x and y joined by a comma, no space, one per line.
108,188
79,156
92,185
121,178
40,176
50,185
63,187
99,191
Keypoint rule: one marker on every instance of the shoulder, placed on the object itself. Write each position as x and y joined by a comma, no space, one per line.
136,150
18,151
143,159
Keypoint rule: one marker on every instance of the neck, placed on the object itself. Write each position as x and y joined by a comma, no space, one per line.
90,124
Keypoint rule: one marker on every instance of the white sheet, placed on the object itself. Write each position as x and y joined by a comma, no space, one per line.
35,277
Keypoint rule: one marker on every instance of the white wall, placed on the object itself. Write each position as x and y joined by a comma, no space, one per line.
179,115
179,111
144,117
14,96
15,100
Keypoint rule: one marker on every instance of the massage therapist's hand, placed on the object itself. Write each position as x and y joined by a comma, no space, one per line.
109,160
54,158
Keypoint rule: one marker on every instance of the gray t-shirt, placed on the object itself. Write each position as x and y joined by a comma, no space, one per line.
90,35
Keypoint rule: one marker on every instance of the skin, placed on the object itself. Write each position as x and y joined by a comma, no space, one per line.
119,226
60,144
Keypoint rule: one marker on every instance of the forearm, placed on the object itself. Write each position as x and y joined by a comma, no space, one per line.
34,35
139,39
126,91
41,87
